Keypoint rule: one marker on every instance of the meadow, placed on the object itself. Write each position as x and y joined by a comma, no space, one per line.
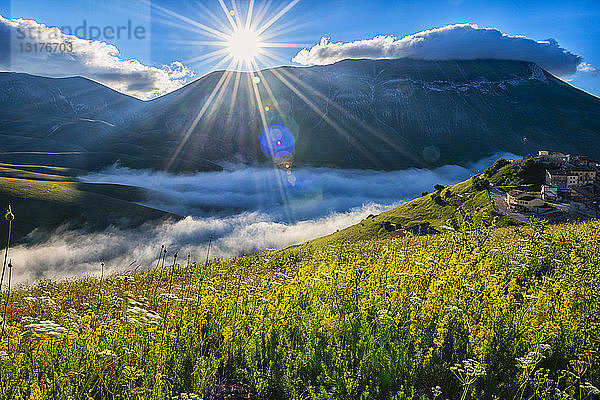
477,312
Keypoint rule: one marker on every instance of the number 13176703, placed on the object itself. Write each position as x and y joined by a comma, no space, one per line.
46,47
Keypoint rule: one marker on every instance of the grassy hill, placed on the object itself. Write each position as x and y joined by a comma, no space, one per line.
46,198
515,310
448,203
523,174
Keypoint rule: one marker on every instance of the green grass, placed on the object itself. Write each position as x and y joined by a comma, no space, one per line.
44,170
439,207
436,208
520,174
46,201
375,319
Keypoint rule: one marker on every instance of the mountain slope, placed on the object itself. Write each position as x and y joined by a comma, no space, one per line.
383,114
69,122
46,198
441,207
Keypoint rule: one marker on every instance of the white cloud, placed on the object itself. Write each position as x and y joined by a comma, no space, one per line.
260,211
92,59
451,42
588,69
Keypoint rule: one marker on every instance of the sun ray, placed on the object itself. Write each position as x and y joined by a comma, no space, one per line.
207,29
223,25
280,45
267,55
292,25
249,14
376,133
277,16
228,15
266,131
260,14
212,43
208,57
243,41
349,137
286,118
217,89
236,85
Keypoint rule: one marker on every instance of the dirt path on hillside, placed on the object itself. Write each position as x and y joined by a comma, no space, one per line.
498,197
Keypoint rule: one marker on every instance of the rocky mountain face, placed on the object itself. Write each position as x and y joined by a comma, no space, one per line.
383,114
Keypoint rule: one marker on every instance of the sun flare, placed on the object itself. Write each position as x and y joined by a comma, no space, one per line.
244,45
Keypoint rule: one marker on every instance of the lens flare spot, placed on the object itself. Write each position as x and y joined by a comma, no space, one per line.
277,141
267,108
256,79
232,13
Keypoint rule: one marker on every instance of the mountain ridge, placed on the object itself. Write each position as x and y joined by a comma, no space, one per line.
378,114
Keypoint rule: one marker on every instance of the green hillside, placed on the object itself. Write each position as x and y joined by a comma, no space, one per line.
46,198
524,174
516,309
448,203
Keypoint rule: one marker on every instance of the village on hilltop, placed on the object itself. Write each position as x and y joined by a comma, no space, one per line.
572,186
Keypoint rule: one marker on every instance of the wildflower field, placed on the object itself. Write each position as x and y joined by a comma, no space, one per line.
476,312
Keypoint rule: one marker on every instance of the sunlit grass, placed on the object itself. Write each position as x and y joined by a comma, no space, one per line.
477,313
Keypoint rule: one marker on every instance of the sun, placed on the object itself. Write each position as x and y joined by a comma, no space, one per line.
243,39
244,45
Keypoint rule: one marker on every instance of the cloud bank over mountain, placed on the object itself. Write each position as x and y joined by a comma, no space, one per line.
451,42
93,59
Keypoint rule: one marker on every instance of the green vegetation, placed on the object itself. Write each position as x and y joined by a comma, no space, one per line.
446,204
50,198
476,312
524,174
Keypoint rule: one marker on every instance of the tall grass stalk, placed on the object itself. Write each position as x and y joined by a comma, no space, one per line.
100,286
7,300
9,217
208,250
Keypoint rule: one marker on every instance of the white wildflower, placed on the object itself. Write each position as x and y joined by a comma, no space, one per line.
3,357
590,388
542,347
169,296
139,316
416,300
469,369
106,353
530,360
385,315
282,276
45,329
454,310
562,395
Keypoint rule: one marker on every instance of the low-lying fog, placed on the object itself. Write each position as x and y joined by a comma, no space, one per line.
246,209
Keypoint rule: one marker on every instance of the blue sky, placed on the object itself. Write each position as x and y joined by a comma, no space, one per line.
572,24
